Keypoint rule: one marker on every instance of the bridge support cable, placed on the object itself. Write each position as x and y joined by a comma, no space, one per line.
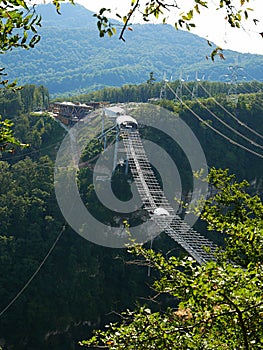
153,198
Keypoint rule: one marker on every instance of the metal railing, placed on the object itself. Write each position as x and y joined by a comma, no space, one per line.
153,197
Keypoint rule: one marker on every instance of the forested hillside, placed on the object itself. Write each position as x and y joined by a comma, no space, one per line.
72,58
81,282
213,103
80,285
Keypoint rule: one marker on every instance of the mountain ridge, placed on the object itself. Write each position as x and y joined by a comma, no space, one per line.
71,58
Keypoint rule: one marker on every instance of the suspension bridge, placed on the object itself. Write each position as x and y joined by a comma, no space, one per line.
153,198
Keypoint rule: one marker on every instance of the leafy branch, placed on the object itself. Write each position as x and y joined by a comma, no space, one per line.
7,138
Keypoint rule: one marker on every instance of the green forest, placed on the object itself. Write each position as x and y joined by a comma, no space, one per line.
56,287
61,291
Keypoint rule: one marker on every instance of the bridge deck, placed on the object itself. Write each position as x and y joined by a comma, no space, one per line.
153,197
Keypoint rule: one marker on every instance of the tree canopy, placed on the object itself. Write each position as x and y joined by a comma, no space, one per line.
215,306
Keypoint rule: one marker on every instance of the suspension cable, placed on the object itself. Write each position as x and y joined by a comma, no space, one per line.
35,273
212,128
229,113
224,123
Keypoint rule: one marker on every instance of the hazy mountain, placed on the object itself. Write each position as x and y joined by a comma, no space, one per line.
72,58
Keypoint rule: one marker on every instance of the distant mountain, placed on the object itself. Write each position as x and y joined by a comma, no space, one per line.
71,58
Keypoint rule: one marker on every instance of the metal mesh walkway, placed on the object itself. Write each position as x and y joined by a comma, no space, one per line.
153,197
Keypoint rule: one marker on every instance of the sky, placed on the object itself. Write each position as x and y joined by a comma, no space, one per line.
210,24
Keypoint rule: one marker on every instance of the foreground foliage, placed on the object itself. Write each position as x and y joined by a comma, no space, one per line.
219,305
184,17
20,23
6,135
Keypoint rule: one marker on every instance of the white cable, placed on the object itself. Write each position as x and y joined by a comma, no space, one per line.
212,128
224,123
31,152
35,273
229,113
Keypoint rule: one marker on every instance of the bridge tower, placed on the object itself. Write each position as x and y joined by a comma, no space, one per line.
195,87
233,78
163,88
179,89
